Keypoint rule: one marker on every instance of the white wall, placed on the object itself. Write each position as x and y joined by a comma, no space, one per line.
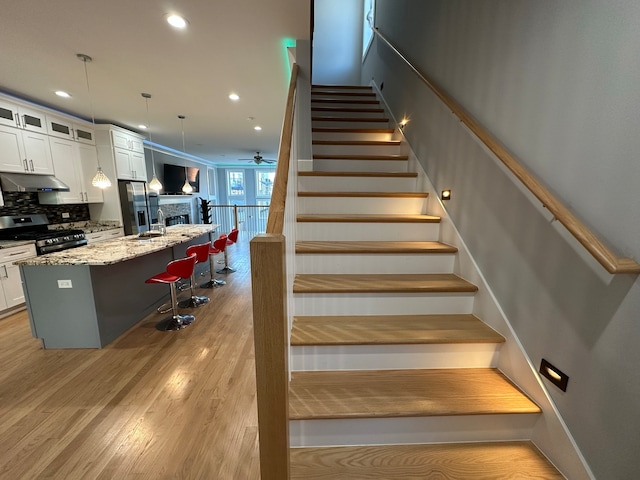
337,42
557,83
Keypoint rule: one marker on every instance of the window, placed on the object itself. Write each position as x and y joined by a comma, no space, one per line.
264,183
367,30
235,183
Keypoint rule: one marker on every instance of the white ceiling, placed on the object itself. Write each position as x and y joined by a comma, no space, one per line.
229,46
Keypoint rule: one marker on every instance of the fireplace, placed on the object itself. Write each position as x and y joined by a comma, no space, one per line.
177,219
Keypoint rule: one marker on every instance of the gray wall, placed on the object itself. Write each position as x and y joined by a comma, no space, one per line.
557,83
337,45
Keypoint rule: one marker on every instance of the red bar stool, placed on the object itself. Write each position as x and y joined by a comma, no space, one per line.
219,245
176,270
231,239
202,255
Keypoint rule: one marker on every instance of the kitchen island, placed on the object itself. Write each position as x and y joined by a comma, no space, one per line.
86,297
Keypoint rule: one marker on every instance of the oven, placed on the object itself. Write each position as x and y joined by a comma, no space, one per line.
36,227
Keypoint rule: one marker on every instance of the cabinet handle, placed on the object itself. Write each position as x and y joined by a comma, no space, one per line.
32,169
18,253
18,121
6,274
86,197
26,165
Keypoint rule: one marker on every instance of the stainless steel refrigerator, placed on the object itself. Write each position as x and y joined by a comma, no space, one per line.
134,202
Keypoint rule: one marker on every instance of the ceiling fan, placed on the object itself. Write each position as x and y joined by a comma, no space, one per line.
257,159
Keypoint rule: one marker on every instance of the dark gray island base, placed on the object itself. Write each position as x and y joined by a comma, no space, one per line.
89,296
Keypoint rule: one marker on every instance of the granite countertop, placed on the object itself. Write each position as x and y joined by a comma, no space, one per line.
87,226
15,243
121,249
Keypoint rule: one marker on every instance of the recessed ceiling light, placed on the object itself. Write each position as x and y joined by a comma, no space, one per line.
257,128
62,94
234,96
176,21
143,127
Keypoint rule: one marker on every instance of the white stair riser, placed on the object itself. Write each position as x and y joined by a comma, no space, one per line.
380,357
361,205
408,232
381,303
375,263
338,112
383,431
335,123
341,149
315,96
343,165
357,184
373,136
317,89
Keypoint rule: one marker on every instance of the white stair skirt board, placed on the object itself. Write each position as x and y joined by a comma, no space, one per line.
381,303
352,136
380,357
338,150
344,123
361,205
375,263
357,184
410,232
344,165
384,431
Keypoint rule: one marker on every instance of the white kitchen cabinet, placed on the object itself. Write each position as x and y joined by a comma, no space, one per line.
130,165
128,141
104,235
75,164
59,127
12,293
24,151
13,114
84,134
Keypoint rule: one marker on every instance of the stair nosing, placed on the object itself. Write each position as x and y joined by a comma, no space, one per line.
318,173
351,130
349,119
359,143
402,158
364,218
366,194
383,247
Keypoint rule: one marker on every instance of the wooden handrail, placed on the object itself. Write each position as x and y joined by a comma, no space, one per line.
275,221
609,260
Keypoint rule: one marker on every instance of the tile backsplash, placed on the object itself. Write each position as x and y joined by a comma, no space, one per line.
18,203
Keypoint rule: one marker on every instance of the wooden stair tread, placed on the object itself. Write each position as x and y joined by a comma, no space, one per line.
391,330
452,461
359,157
352,101
367,218
348,119
347,109
351,130
318,173
374,143
404,393
382,283
366,194
342,247
341,87
338,93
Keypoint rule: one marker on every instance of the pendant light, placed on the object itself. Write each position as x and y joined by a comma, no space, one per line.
154,184
186,188
100,179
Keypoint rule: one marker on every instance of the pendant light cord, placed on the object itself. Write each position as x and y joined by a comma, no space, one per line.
147,96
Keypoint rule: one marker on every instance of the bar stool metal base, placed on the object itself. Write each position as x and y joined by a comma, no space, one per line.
226,270
193,302
215,283
175,322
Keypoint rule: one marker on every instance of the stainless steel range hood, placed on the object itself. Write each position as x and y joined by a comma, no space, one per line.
22,182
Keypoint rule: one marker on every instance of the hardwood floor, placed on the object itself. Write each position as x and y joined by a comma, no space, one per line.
151,405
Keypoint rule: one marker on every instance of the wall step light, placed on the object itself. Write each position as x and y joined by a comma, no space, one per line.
554,375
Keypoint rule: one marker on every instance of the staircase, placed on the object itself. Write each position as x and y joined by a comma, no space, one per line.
392,375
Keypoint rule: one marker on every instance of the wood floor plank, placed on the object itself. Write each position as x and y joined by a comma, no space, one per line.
461,461
152,404
404,393
356,283
344,247
391,330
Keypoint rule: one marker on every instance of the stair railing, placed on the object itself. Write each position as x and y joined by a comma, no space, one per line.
270,314
605,256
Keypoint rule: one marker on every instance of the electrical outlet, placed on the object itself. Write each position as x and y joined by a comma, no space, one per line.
65,284
65,215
